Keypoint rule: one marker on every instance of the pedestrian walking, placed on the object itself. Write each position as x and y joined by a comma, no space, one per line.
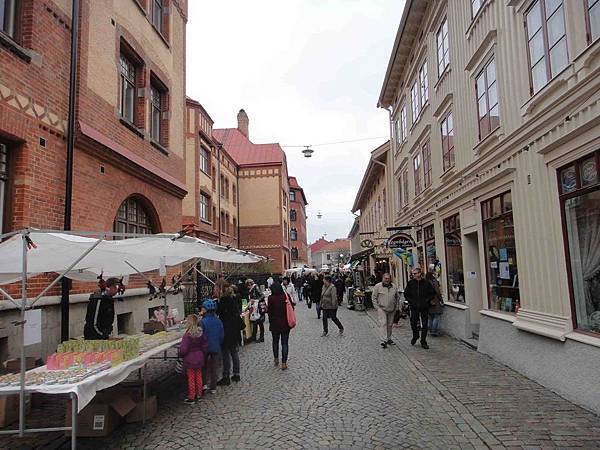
316,291
258,309
329,306
386,299
419,293
298,282
436,308
290,290
194,346
213,329
339,288
278,324
229,310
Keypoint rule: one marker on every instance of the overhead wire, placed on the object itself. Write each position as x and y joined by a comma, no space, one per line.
337,142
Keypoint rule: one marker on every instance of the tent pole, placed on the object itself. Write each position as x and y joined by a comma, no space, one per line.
8,296
204,276
67,270
24,236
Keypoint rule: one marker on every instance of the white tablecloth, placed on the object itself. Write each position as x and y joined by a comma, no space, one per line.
87,388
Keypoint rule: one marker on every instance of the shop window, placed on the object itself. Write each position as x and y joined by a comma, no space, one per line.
9,17
5,190
294,234
501,254
418,174
430,252
593,20
579,185
294,253
487,99
293,215
546,41
205,161
454,262
443,48
133,217
447,128
204,207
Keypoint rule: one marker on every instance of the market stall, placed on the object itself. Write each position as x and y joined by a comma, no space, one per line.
27,253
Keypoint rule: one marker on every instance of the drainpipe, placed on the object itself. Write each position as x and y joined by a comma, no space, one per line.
65,283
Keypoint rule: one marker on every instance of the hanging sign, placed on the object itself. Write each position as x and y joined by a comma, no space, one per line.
400,240
367,243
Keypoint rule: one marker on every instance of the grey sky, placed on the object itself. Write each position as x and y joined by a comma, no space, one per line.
306,72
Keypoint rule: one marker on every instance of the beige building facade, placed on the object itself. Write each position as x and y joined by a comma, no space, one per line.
495,115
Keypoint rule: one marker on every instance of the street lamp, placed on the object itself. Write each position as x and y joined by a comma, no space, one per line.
319,215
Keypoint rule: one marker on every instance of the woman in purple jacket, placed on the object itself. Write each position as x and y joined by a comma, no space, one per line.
279,327
193,348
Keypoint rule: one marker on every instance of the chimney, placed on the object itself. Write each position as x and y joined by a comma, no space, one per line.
243,123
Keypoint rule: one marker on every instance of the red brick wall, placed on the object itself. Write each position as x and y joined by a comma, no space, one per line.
265,241
300,224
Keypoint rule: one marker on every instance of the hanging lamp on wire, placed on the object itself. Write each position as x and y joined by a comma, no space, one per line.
307,151
319,215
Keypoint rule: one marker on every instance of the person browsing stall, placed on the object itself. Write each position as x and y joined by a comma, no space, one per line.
100,314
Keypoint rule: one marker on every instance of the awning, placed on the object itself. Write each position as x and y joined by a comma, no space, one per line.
56,252
361,255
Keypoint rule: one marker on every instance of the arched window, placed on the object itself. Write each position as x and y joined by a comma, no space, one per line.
293,215
294,234
294,253
133,217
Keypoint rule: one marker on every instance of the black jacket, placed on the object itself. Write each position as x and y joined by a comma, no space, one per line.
316,289
99,317
419,294
229,311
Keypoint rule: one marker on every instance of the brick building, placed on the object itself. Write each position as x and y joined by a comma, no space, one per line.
210,210
128,171
263,193
299,249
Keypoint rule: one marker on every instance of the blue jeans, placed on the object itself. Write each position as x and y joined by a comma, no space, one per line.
230,355
434,323
318,307
285,336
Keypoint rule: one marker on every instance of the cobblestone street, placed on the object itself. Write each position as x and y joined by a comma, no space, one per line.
346,392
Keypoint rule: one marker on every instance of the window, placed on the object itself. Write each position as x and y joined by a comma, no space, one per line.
447,128
223,224
4,188
294,234
593,20
430,252
547,41
157,15
405,180
222,186
476,6
132,217
414,100
214,179
8,17
227,224
423,84
418,173
426,165
205,161
454,264
127,89
328,257
397,133
294,254
501,253
234,193
204,207
403,124
292,195
227,188
214,216
235,233
292,215
400,195
579,185
487,99
155,113
443,48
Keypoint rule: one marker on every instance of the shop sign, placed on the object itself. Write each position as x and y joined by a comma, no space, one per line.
400,240
367,243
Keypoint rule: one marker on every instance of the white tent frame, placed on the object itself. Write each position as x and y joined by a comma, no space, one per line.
23,307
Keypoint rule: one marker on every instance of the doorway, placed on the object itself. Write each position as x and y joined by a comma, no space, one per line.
473,279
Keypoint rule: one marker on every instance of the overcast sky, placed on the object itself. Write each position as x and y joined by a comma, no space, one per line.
306,72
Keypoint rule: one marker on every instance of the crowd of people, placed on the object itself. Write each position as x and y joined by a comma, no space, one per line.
215,333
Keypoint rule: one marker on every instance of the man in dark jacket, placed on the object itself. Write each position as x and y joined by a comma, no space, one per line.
419,293
316,290
101,312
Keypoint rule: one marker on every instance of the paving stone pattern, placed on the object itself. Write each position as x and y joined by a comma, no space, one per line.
346,392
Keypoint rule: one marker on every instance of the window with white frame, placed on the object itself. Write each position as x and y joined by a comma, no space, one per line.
204,207
593,20
417,162
204,160
447,129
405,186
423,84
476,6
426,149
443,47
397,132
403,124
487,99
414,100
547,41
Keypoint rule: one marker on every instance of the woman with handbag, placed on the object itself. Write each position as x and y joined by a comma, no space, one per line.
278,324
229,310
436,308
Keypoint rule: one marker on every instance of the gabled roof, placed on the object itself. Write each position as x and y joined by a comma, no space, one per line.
372,171
323,245
318,245
293,182
246,153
